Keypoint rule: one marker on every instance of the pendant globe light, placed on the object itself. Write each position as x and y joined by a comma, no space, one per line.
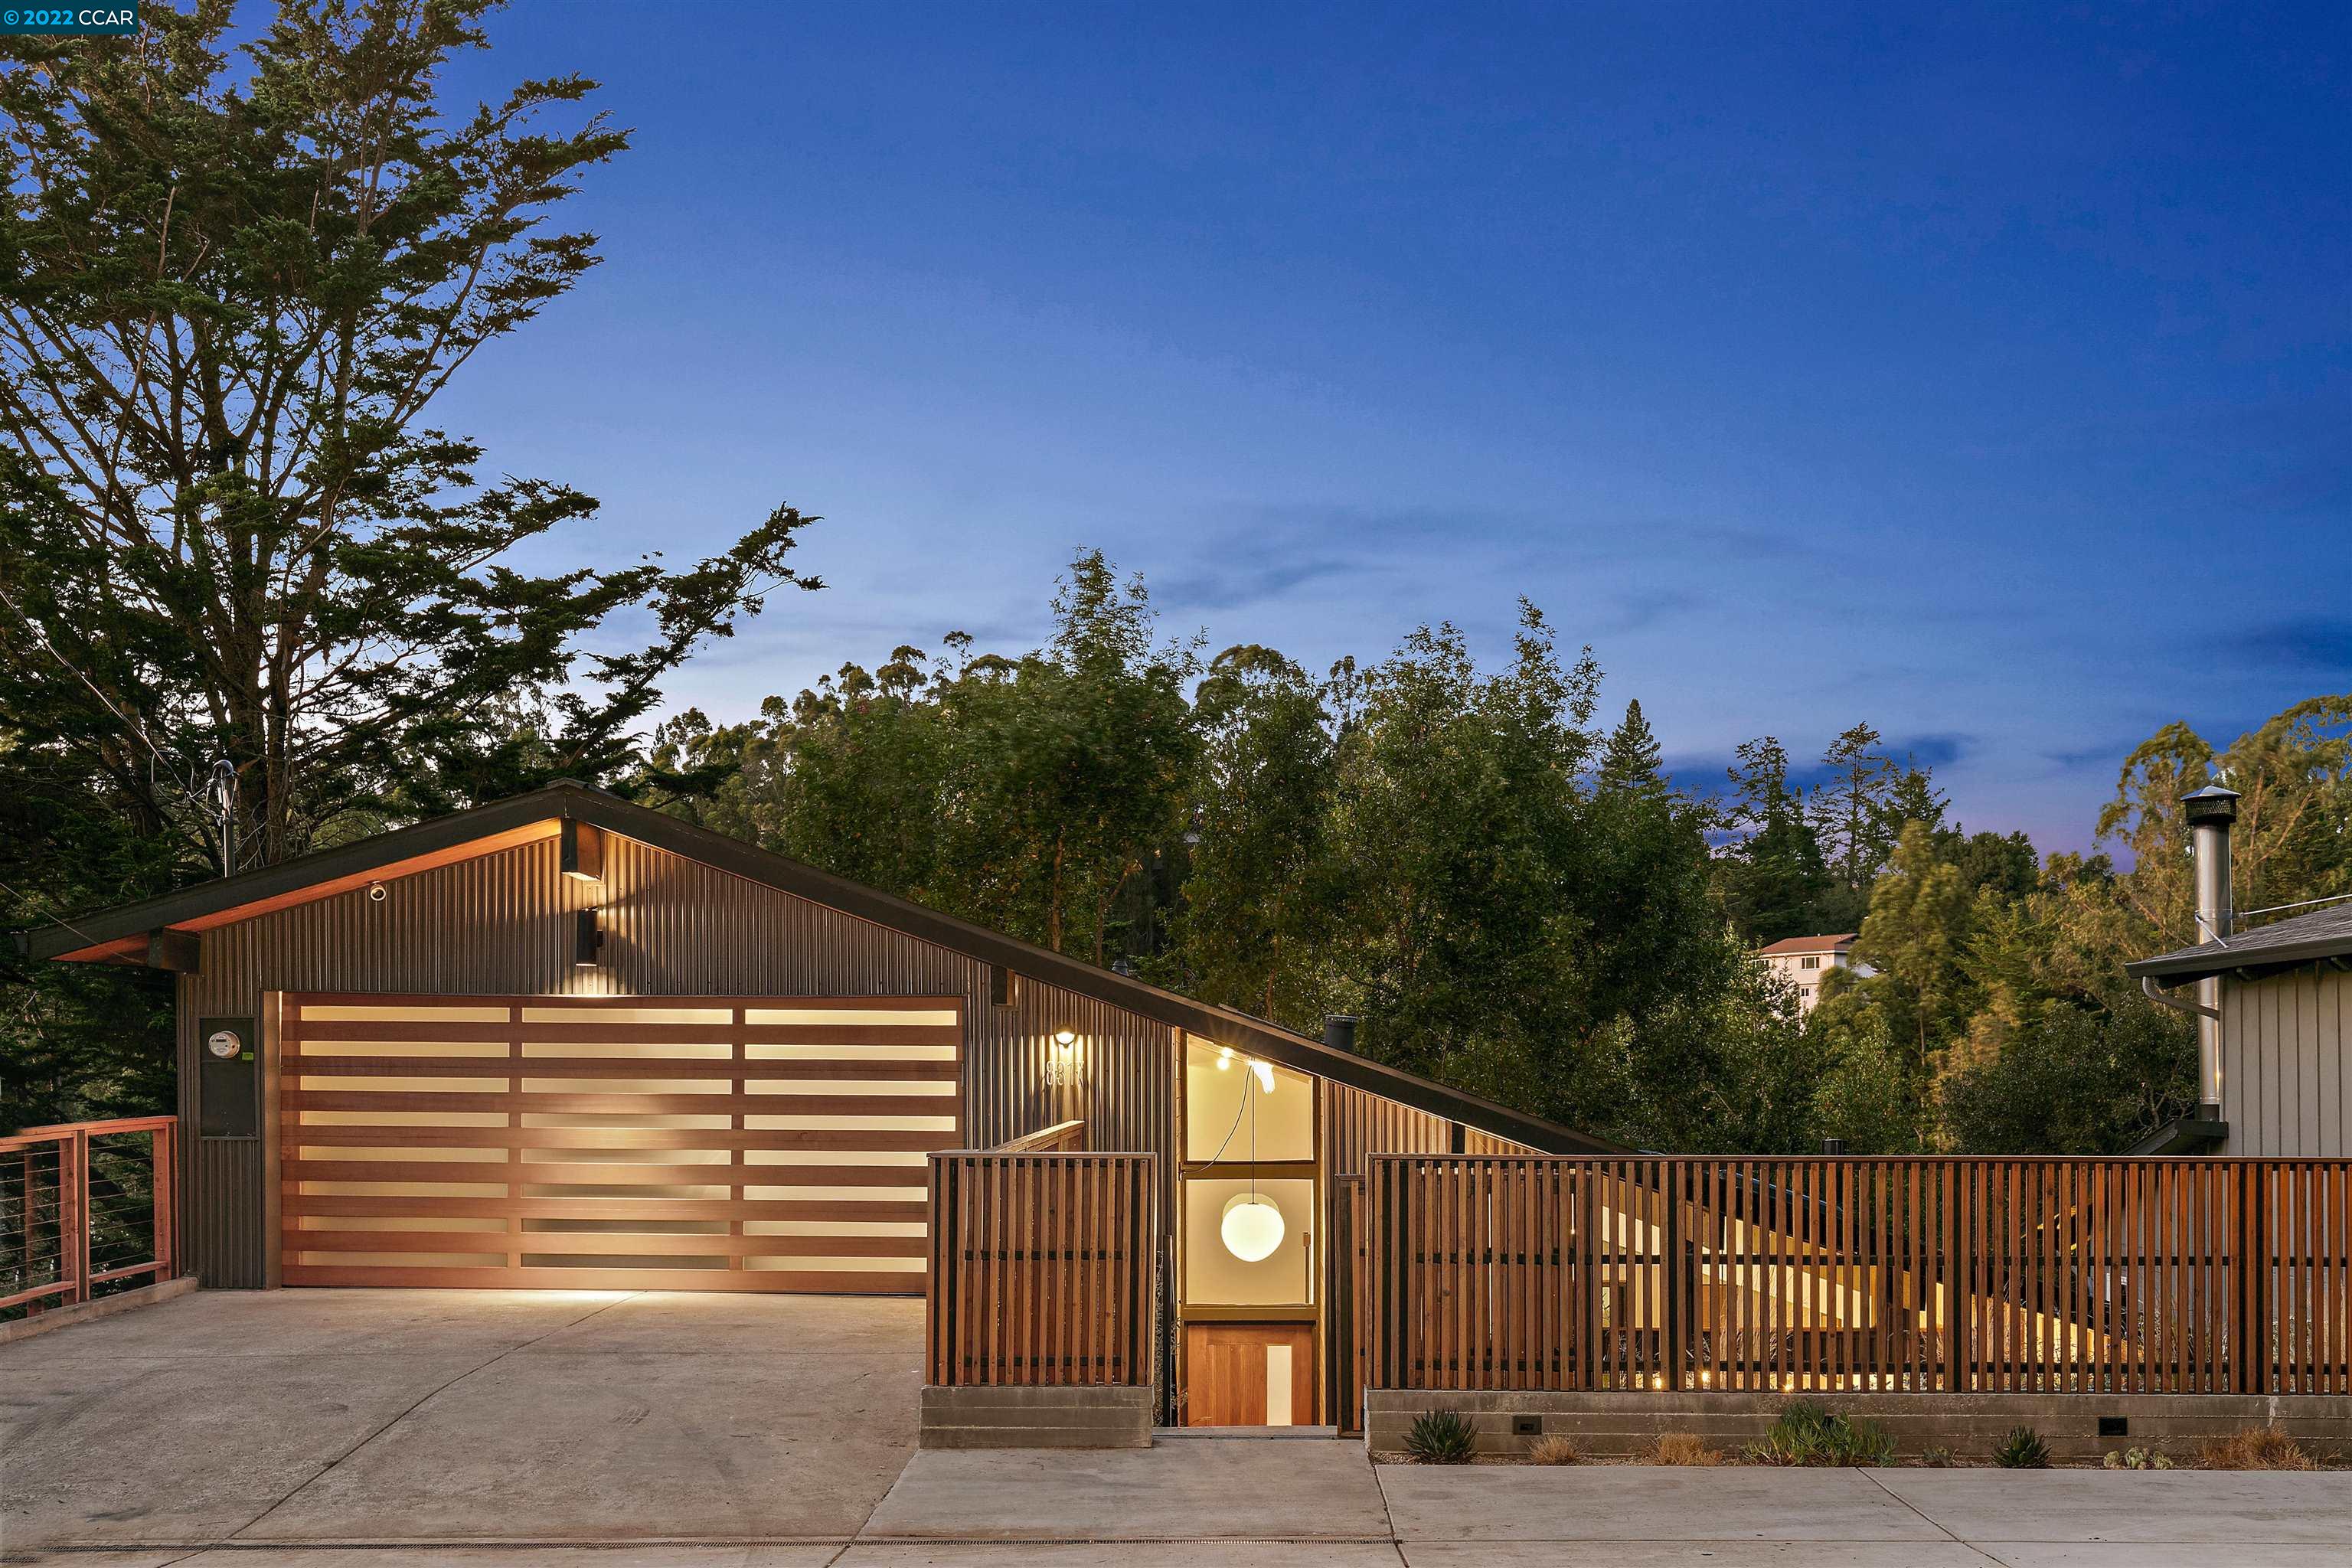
1252,1227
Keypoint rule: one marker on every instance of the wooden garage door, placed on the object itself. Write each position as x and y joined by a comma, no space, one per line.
704,1143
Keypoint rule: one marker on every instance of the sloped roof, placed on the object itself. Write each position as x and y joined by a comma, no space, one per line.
123,934
1787,944
2325,932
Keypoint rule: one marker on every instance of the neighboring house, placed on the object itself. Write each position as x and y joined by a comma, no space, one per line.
1804,961
566,1041
2284,1083
2273,1008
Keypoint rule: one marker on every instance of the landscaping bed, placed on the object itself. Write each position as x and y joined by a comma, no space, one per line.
1806,1434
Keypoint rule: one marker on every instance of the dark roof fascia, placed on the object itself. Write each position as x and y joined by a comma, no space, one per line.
426,838
2172,969
2182,1135
748,861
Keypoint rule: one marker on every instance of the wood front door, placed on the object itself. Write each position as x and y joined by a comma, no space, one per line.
663,1143
1249,1375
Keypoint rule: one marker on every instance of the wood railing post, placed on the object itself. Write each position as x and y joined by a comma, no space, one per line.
164,1188
74,1180
1675,1271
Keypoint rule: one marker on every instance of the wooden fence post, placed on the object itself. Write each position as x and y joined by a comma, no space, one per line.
80,1245
1675,1270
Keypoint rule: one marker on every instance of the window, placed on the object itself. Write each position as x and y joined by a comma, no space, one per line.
1810,961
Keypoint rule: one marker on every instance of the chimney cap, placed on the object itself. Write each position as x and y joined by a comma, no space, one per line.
2214,803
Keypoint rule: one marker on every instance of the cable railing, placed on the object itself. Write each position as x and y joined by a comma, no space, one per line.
87,1210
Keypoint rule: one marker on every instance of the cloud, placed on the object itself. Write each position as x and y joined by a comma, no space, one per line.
1933,751
2311,642
1226,582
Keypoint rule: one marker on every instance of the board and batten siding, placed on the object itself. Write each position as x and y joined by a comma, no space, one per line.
501,925
2287,1064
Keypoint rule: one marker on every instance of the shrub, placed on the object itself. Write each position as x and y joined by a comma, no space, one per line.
2137,1459
1937,1457
1440,1437
1554,1450
2255,1449
1682,1449
1810,1434
2023,1449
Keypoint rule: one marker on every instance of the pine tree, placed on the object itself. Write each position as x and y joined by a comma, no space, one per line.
1632,763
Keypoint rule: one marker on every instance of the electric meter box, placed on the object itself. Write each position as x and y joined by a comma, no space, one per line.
228,1079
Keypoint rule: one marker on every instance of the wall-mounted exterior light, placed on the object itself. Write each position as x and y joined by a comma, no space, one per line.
1062,1062
580,852
587,941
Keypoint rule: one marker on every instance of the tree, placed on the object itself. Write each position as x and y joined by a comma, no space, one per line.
226,533
1067,767
2074,1081
1633,764
1255,912
1773,876
1915,936
1454,828
1850,810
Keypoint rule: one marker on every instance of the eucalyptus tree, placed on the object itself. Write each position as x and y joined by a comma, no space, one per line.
1256,904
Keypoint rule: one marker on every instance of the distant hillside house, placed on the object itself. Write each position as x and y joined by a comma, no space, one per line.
1804,961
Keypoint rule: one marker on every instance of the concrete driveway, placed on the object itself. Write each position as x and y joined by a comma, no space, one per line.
357,1416
334,1429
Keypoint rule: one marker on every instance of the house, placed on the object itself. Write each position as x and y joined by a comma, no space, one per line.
567,1041
1805,961
2274,1009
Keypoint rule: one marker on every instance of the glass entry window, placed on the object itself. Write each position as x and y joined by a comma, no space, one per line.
1249,1213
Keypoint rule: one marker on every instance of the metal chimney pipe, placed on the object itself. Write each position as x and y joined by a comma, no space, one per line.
1339,1031
2210,811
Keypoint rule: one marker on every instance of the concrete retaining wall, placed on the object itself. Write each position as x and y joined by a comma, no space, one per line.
1099,1416
1616,1424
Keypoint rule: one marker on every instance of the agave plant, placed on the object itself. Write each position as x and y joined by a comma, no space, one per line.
1440,1437
2023,1449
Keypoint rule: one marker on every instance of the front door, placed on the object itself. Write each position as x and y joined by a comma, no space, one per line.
1249,1375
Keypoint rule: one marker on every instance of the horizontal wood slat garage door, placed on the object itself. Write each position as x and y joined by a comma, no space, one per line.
675,1143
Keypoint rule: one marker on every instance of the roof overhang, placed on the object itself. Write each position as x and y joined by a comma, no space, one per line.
2177,969
141,932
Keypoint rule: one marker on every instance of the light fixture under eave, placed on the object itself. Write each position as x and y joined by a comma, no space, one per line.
580,850
1252,1227
587,941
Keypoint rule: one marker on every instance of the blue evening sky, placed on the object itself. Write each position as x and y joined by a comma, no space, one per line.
1982,373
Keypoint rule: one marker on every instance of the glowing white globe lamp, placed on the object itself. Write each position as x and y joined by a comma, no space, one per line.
1251,1228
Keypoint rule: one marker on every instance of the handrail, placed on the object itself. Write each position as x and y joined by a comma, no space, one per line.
1063,1135
70,1204
94,1129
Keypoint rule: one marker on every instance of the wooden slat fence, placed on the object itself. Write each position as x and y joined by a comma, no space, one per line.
1043,1267
1916,1275
86,1208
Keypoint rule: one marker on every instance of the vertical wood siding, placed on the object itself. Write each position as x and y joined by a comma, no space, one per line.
2287,1064
1356,1123
501,925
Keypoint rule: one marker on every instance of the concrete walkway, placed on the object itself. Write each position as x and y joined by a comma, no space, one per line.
442,1430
